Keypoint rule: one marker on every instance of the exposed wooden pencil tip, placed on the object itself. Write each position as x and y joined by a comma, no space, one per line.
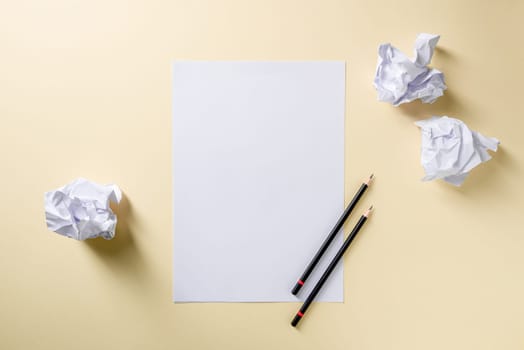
368,181
366,214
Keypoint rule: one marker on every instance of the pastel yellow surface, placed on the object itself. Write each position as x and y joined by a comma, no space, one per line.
85,91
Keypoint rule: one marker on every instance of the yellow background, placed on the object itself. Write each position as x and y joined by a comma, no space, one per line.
85,91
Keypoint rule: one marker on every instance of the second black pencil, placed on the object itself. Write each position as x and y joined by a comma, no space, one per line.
330,268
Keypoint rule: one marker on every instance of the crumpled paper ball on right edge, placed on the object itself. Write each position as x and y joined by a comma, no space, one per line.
450,150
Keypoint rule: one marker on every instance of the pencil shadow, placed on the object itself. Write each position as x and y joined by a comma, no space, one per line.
121,254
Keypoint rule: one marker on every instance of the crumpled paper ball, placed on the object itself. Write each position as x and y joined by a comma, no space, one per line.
400,80
81,210
450,150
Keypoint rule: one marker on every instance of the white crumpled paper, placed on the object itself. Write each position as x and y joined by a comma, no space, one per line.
450,149
80,210
399,80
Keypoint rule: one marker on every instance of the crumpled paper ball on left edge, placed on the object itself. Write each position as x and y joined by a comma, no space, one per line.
81,210
399,79
450,150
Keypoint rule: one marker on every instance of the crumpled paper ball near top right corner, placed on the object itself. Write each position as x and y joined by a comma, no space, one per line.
450,150
399,79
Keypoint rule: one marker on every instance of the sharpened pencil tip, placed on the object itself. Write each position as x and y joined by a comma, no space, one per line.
366,214
368,181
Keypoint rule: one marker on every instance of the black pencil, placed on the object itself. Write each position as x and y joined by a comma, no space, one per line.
331,236
330,268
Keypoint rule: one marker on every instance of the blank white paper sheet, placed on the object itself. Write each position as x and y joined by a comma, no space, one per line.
258,176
